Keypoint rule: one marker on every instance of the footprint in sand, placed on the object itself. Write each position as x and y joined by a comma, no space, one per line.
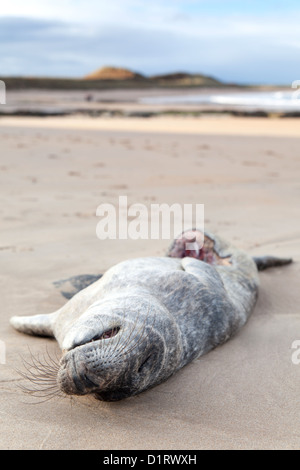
11,218
33,179
84,215
118,186
203,147
251,163
271,153
29,199
5,248
14,248
125,142
99,165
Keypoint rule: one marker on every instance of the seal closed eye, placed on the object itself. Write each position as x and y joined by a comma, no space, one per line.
107,334
146,318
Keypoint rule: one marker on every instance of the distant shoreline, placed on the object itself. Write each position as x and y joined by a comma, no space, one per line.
147,114
52,83
143,103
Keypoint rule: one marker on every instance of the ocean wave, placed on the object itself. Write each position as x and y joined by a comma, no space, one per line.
265,100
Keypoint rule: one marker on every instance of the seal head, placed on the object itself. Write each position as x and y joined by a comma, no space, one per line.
118,348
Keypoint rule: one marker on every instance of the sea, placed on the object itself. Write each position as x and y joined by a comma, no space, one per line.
277,101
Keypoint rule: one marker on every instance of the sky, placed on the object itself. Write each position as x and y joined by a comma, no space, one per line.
240,41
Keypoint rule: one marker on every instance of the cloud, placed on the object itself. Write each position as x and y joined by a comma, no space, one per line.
154,39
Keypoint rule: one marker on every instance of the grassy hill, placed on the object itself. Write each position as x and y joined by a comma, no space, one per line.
182,79
114,73
112,77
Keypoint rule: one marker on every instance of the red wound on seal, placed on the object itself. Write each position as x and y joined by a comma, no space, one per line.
195,244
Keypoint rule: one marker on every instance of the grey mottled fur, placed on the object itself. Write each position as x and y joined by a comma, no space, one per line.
169,311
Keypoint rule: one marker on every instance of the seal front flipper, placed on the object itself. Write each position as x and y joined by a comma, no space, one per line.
265,262
38,325
71,286
203,271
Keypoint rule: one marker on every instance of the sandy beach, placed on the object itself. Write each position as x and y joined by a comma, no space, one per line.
221,125
54,173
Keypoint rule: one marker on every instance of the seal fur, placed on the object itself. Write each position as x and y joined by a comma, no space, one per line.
146,318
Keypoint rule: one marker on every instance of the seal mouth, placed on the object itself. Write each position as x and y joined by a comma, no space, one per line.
89,382
195,244
113,395
144,363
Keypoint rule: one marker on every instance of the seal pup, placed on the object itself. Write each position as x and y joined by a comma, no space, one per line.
146,318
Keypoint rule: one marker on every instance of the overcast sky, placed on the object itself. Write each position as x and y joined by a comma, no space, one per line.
245,41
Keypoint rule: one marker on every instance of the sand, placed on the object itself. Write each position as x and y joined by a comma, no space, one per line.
221,125
54,174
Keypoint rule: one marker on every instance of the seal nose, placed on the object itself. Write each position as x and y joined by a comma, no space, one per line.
73,376
84,384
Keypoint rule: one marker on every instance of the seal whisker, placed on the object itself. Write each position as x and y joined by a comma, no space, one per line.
133,344
111,346
45,365
128,340
142,337
42,374
142,327
50,397
39,371
39,392
140,341
49,392
120,336
39,379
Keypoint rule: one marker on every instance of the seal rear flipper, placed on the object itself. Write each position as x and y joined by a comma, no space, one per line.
265,262
38,325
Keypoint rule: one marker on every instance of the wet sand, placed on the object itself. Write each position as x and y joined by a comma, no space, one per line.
220,125
54,173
